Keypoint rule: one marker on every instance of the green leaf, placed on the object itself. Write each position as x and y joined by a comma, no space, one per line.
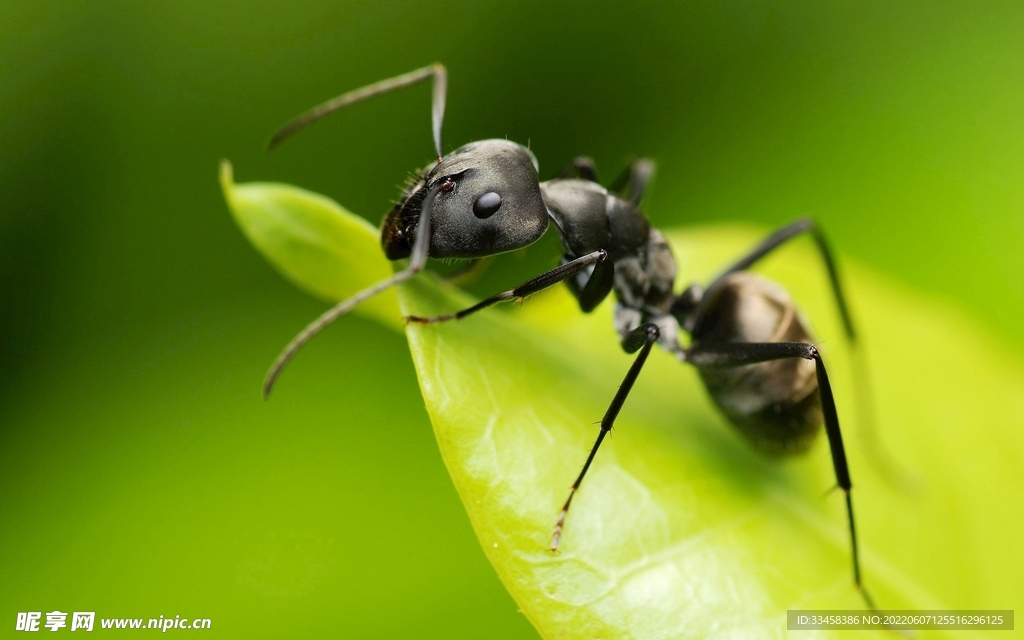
681,530
313,242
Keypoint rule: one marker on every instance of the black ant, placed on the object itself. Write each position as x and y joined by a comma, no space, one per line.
748,342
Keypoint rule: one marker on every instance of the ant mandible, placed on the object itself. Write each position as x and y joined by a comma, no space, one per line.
747,340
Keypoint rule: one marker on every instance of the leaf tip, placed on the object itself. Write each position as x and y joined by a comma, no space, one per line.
227,176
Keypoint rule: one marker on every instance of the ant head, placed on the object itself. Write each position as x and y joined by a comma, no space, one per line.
489,203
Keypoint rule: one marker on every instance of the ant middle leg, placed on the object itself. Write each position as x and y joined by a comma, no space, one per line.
642,338
734,354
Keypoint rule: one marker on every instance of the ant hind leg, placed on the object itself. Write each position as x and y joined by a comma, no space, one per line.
735,354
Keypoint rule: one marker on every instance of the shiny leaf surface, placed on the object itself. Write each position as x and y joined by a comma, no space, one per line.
681,530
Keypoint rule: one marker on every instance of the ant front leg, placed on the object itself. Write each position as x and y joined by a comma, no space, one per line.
734,354
642,338
541,282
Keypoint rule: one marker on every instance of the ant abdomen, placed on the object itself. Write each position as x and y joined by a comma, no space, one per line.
775,404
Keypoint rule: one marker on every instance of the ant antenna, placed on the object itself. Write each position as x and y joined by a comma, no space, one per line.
435,71
417,261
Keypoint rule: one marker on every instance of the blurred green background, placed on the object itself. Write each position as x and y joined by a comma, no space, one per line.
141,475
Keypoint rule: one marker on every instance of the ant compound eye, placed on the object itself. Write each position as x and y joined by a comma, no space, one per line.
487,205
